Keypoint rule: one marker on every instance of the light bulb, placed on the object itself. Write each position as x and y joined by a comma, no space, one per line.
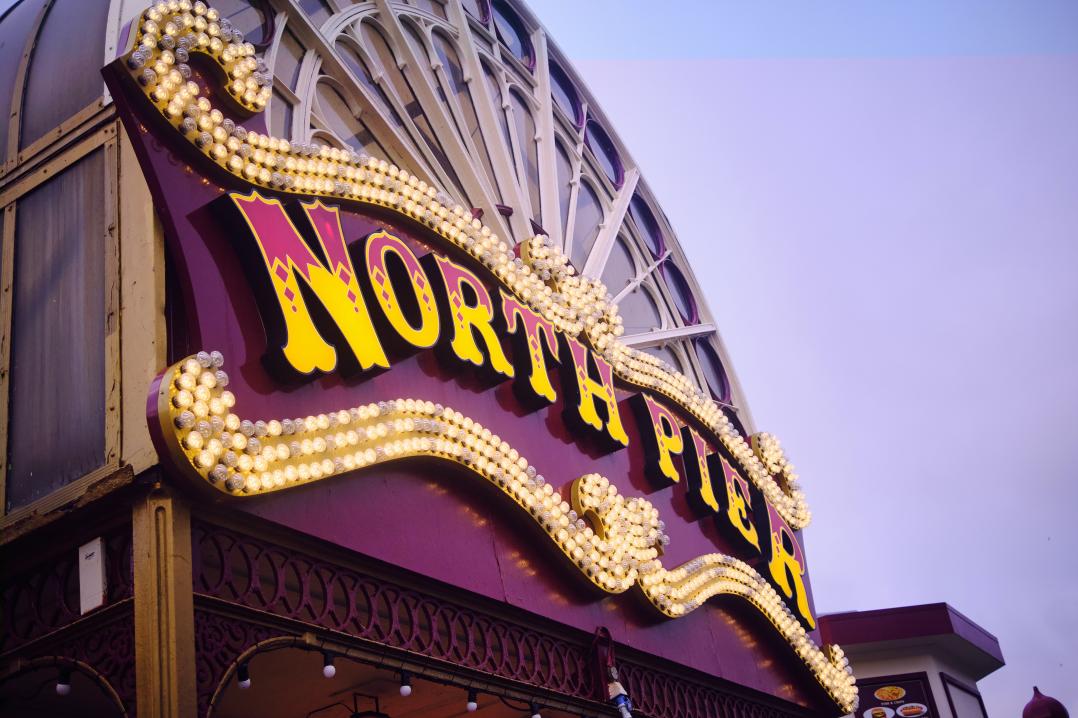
473,701
328,669
243,676
406,684
63,682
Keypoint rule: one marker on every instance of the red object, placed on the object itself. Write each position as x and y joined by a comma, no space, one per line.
602,659
1042,706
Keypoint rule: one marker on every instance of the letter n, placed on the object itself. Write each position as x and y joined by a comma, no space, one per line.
338,310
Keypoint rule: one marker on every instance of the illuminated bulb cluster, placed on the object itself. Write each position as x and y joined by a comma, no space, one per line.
614,541
587,304
769,451
166,35
541,276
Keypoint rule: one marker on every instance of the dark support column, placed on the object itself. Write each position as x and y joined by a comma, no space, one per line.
164,617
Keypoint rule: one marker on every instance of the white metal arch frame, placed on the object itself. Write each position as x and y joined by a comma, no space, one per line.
502,181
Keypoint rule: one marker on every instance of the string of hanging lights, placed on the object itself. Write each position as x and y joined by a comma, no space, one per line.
532,707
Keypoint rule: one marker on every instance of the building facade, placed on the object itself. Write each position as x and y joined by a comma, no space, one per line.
916,661
518,457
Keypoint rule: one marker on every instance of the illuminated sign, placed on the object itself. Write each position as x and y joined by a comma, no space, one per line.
336,303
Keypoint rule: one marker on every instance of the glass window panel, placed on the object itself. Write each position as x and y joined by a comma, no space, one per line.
434,7
57,400
15,29
529,154
280,116
639,312
455,74
378,47
731,414
667,355
496,99
680,291
359,68
245,17
512,33
589,213
619,269
477,9
334,111
712,369
645,222
565,185
287,62
966,704
65,68
604,152
564,94
317,10
418,45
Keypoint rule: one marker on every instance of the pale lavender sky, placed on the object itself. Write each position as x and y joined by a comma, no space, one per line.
883,198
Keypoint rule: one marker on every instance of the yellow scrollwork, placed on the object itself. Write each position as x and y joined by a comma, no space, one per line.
614,541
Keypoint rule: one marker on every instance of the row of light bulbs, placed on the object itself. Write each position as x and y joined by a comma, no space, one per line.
589,299
329,670
542,276
614,541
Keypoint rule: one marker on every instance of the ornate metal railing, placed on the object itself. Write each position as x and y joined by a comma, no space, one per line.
256,574
45,597
243,570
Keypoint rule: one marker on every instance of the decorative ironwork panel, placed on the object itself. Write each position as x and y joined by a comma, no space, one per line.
219,641
109,649
664,695
45,598
259,575
269,578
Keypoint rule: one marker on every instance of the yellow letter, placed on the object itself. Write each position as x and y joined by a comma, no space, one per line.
379,246
739,503
662,439
470,320
287,257
585,391
698,468
535,331
786,565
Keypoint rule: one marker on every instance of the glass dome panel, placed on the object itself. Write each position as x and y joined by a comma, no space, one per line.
619,269
245,17
639,312
565,184
64,76
604,152
333,109
589,213
667,354
512,33
15,29
647,226
564,95
529,154
680,291
714,373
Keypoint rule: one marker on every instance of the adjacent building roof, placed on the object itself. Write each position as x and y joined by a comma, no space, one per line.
937,624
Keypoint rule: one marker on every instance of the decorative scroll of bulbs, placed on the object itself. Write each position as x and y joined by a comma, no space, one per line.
614,541
169,32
